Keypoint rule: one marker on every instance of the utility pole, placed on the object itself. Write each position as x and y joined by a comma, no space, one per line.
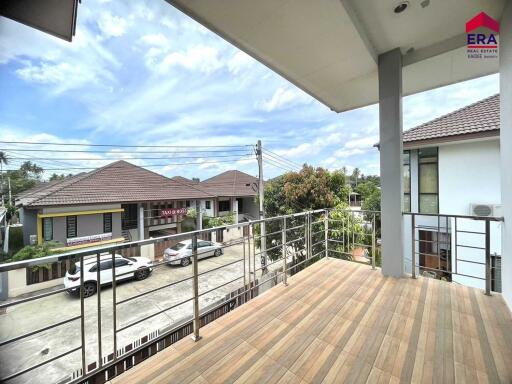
10,194
259,154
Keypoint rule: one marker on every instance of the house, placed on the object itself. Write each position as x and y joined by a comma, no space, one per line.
114,203
452,167
234,191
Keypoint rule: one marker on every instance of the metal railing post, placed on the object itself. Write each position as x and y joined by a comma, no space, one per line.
326,221
245,273
114,303
98,285
82,314
195,289
374,225
487,257
284,252
413,247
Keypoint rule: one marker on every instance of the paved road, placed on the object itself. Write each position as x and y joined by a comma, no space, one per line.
37,314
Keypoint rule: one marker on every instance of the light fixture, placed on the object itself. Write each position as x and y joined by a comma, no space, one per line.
402,6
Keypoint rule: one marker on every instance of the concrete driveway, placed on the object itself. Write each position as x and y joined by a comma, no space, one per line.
27,317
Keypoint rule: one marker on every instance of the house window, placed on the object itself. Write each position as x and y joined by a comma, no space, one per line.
71,227
48,229
187,203
129,216
224,206
428,180
407,180
107,222
208,204
240,205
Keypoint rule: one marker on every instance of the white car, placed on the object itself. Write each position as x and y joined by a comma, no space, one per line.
181,253
138,268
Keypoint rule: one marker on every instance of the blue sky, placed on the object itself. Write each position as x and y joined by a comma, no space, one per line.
142,73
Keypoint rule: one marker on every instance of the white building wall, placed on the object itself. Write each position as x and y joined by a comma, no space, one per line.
469,173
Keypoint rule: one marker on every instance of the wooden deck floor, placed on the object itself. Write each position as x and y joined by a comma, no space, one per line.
341,322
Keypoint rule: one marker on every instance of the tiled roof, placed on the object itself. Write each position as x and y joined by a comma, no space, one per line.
117,182
230,184
480,117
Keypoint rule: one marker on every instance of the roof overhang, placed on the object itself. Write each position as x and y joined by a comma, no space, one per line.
468,137
56,17
330,48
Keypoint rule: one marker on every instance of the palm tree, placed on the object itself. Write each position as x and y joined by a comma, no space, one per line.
355,174
3,160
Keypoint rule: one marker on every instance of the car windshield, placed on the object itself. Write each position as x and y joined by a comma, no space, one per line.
178,246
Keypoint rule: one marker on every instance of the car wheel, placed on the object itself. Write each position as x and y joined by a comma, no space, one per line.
141,274
217,252
185,261
89,289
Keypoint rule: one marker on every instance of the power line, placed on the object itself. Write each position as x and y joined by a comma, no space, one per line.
282,163
275,155
278,166
126,146
122,152
143,166
130,158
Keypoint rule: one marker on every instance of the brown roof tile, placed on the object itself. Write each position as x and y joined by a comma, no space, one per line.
480,117
230,184
117,182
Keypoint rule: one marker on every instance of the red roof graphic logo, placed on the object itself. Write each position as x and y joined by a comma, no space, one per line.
482,20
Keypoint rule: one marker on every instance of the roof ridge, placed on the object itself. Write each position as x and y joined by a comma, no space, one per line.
451,113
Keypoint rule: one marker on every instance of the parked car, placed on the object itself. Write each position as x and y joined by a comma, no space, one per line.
138,268
181,253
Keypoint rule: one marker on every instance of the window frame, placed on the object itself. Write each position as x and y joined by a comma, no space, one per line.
50,221
208,204
420,194
408,165
105,228
71,228
224,202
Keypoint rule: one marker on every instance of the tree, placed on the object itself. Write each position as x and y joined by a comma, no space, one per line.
62,176
366,188
3,160
355,175
26,177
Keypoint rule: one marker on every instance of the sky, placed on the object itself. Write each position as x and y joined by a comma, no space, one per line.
142,73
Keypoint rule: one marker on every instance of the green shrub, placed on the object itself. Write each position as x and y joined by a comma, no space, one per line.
37,251
15,239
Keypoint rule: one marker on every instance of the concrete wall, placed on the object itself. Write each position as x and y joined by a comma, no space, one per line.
28,218
250,207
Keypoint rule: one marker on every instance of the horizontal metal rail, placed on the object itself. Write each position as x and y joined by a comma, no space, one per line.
153,290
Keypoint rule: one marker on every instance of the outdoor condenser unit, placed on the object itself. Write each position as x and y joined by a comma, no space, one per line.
485,210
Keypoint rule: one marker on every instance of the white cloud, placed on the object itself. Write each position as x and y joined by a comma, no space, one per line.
168,22
197,58
111,25
285,97
363,143
158,40
64,75
240,61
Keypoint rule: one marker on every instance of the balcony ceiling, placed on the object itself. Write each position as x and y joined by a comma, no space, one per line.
329,48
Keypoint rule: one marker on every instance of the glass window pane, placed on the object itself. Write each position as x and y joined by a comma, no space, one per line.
48,228
407,179
428,178
407,203
428,204
427,155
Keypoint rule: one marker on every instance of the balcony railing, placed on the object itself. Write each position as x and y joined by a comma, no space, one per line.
92,339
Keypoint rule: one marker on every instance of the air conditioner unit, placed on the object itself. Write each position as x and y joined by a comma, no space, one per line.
486,210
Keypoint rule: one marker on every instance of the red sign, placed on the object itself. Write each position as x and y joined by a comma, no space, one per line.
173,212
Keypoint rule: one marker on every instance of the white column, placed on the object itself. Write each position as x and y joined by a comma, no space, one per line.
506,149
235,209
141,222
390,116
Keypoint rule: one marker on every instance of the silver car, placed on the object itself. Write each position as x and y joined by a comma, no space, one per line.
181,253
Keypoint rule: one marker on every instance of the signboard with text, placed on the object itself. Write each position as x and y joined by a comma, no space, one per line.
169,212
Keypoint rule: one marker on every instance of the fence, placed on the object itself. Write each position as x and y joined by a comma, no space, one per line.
96,338
459,248
92,339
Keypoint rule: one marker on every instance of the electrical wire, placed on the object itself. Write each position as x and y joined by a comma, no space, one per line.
275,155
126,146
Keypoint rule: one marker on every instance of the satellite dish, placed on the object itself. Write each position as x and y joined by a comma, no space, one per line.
254,187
